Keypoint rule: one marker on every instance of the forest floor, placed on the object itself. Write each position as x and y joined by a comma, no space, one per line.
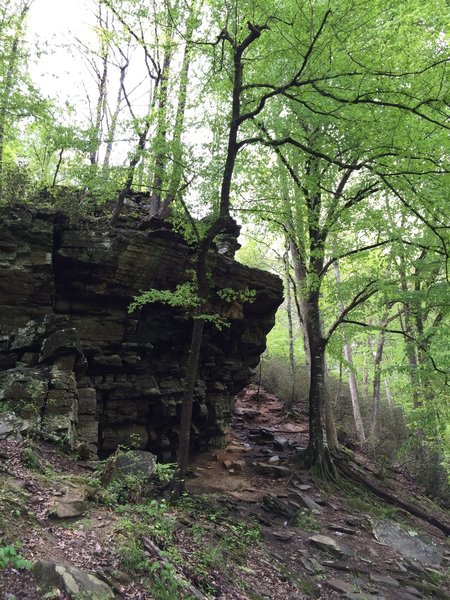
253,526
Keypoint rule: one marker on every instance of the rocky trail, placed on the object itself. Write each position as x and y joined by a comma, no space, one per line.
253,527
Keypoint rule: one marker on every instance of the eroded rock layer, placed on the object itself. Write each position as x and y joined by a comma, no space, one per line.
76,362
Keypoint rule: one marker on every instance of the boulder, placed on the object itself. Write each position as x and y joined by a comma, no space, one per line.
11,427
72,581
71,504
65,289
138,463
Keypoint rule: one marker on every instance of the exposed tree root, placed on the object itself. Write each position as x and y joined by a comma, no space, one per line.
321,466
349,472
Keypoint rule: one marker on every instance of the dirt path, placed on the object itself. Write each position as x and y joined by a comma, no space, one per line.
316,542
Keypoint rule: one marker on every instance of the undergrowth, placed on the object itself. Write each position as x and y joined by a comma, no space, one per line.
9,557
197,529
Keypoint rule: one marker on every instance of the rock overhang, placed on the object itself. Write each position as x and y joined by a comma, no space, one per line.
92,372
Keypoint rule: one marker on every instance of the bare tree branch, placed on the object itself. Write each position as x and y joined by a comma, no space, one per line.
360,298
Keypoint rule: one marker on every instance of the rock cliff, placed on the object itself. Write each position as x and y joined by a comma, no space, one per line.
72,358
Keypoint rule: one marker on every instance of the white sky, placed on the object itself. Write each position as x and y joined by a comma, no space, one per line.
55,24
50,18
61,72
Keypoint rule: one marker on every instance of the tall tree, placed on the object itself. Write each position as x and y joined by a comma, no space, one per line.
13,56
340,112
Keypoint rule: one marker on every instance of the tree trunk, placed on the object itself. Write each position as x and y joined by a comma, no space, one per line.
125,191
411,355
177,167
300,278
114,120
389,399
377,381
318,453
102,76
330,422
160,141
292,390
359,426
223,223
179,479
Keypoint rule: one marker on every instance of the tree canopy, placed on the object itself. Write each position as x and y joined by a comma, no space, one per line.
322,127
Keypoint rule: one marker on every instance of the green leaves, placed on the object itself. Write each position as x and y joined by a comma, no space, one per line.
10,557
184,296
231,295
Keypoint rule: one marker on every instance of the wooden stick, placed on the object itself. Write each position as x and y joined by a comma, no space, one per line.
153,549
413,510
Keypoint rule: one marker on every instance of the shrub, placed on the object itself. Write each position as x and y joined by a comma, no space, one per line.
276,378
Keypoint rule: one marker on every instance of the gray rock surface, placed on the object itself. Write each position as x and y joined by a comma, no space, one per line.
11,426
136,462
326,543
407,543
72,503
340,585
384,580
75,582
308,502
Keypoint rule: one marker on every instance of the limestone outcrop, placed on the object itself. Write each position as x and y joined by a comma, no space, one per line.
82,368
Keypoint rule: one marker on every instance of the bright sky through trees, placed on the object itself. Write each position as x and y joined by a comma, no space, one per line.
54,25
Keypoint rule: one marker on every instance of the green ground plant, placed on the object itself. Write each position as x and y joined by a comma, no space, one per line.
124,489
307,521
9,557
166,585
214,540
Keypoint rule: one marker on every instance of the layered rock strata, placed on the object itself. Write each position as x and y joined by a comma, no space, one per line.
75,360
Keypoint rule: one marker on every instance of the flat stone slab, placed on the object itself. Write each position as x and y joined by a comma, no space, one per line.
412,591
234,466
272,470
326,543
384,580
364,596
250,413
280,442
311,564
284,536
340,585
408,544
304,487
341,529
307,502
267,433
